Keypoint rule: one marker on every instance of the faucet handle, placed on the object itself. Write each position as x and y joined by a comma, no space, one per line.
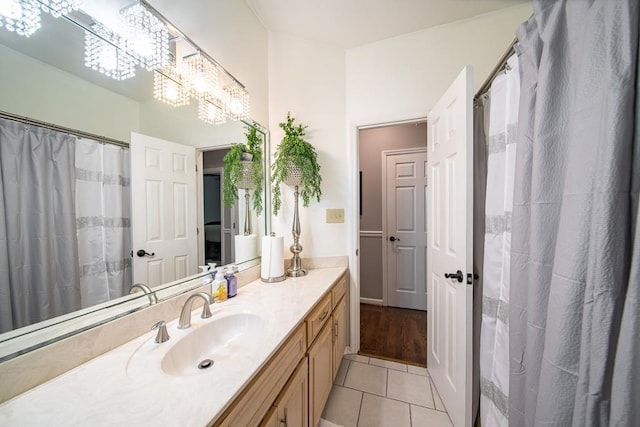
163,335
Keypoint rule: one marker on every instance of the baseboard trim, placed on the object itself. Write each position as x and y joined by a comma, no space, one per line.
372,301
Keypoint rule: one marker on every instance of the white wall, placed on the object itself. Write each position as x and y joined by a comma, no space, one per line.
402,77
229,32
308,79
34,89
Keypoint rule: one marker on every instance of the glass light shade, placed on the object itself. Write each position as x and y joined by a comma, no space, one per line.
200,75
57,8
236,102
211,112
21,16
103,55
168,88
145,36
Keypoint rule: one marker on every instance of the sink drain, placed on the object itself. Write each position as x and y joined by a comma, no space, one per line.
205,364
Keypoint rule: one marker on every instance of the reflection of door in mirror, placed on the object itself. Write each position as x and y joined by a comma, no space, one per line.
220,222
163,210
64,223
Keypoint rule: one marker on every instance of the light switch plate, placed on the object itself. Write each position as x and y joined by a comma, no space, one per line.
335,216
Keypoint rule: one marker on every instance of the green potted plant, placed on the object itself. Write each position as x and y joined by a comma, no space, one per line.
295,164
243,169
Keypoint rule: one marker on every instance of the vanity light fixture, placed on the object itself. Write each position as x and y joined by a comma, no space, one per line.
168,88
211,111
57,8
145,36
236,102
102,54
21,16
200,76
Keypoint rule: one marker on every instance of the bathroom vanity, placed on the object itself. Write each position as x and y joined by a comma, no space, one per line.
276,349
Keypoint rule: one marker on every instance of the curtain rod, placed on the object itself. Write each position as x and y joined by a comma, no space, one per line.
30,121
499,68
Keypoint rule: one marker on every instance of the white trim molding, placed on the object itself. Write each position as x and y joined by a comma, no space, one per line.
371,301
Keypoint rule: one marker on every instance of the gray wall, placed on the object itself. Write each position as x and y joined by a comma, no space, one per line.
372,142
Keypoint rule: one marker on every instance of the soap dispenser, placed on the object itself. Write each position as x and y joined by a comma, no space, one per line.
219,286
232,282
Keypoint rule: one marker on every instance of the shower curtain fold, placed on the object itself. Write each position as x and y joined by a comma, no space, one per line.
103,221
574,256
494,339
38,276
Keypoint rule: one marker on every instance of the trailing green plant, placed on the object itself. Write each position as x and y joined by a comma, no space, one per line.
233,169
295,151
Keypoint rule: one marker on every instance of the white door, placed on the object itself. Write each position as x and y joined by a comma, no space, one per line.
406,228
163,210
449,249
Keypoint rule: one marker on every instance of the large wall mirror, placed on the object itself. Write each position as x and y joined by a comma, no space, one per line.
45,83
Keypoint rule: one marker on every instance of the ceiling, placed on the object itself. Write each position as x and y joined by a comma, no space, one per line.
350,23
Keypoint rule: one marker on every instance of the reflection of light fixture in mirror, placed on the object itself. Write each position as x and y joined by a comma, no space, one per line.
210,111
168,89
201,76
21,16
105,57
145,36
57,8
237,102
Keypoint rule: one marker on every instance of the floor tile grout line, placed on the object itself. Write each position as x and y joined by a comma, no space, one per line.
360,409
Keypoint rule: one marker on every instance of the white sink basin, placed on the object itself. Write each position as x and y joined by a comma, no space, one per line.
188,351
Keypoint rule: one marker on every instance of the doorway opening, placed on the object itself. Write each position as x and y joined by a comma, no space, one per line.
392,241
220,222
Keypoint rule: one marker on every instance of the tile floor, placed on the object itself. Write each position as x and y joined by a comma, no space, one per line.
371,392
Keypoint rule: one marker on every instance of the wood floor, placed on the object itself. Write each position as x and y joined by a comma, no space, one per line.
394,333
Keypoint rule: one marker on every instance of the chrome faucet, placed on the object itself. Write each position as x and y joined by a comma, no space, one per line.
185,314
153,299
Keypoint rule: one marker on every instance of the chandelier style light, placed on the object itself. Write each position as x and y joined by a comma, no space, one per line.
145,36
168,88
102,54
138,36
57,8
211,111
20,16
236,100
200,76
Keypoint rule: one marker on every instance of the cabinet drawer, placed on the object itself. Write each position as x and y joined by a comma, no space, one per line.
255,401
318,317
338,291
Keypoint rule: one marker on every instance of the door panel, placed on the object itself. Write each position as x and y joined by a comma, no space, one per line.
163,182
404,217
449,247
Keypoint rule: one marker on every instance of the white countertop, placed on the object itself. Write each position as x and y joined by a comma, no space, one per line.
105,392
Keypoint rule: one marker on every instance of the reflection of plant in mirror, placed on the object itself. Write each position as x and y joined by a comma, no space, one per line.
295,152
234,169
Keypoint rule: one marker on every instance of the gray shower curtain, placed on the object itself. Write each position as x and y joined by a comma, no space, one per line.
575,269
39,276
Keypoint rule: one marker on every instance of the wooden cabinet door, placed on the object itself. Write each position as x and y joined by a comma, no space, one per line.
271,419
340,333
320,373
293,404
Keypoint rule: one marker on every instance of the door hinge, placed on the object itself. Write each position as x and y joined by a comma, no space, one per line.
471,277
